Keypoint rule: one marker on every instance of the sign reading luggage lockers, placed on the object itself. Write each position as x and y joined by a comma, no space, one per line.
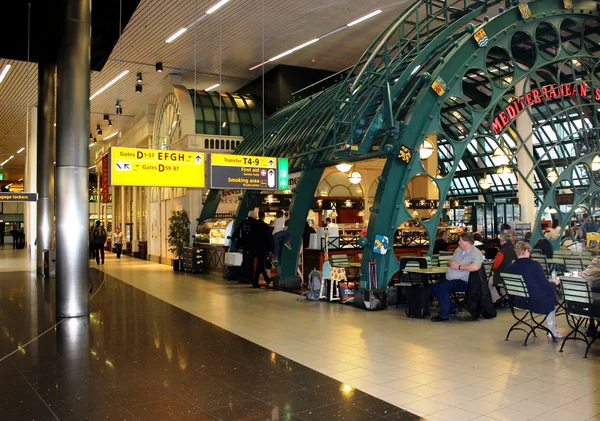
248,172
155,168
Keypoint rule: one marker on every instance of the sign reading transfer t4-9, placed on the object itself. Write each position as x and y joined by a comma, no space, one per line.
248,172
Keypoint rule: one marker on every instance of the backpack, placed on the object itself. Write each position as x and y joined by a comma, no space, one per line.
244,235
99,235
314,286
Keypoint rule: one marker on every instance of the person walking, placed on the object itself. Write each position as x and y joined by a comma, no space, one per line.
262,246
15,236
91,242
118,241
98,239
242,238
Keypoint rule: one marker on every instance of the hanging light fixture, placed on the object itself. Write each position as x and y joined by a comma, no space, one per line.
485,182
361,213
344,167
138,88
552,211
415,214
333,214
139,78
159,66
98,130
106,117
426,149
596,163
552,176
354,177
501,154
505,172
109,123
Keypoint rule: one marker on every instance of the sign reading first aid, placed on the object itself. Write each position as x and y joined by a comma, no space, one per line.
155,168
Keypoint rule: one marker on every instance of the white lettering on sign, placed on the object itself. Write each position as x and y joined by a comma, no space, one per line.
293,180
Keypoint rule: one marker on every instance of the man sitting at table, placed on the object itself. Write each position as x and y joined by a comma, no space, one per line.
466,259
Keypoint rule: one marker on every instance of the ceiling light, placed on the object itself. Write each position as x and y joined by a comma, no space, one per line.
426,149
91,137
596,163
175,36
5,70
415,214
505,172
552,176
20,150
118,107
109,123
343,167
109,84
139,78
552,210
360,213
500,155
159,66
138,88
213,87
111,136
277,57
20,179
333,214
359,20
216,7
98,129
485,182
354,177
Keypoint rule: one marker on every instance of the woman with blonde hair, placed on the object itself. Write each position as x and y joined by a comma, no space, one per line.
542,298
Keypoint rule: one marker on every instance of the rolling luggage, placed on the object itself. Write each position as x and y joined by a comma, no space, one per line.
375,299
417,301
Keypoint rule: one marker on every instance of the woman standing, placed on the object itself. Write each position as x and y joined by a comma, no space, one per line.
118,241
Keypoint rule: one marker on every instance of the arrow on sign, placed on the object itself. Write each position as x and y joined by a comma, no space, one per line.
198,159
271,162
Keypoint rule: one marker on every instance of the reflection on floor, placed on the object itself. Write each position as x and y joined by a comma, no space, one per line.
140,358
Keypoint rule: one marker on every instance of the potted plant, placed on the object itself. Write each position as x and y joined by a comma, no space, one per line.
179,235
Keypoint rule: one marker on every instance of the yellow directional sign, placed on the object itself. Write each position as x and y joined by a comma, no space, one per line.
244,172
243,161
155,168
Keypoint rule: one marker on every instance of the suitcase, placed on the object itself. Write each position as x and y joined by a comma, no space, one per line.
417,301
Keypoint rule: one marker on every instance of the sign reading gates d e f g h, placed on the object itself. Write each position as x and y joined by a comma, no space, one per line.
155,168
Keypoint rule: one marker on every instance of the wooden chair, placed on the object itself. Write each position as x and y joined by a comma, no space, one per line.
519,300
541,259
580,309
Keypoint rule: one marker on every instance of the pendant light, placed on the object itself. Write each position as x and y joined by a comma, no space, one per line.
596,163
344,167
552,176
485,182
505,172
500,155
354,176
426,149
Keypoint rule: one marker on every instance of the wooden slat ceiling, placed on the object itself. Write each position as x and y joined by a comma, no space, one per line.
222,47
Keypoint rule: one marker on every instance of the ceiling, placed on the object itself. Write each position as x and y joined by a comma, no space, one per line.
219,49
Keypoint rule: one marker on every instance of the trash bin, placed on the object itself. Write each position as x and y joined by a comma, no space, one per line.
49,263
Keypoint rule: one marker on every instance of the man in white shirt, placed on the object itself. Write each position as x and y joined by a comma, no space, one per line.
466,259
279,223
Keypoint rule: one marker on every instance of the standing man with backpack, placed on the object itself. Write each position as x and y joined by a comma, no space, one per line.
98,240
243,240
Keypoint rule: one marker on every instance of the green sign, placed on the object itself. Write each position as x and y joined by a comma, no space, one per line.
1,176
282,166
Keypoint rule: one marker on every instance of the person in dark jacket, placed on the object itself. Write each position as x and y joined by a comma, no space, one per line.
504,257
441,244
262,246
542,299
545,246
242,238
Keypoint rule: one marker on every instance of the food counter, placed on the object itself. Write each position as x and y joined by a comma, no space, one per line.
212,236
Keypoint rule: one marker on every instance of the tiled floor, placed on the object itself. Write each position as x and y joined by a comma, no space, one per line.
460,370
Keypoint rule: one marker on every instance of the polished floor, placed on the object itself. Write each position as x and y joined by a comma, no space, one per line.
299,359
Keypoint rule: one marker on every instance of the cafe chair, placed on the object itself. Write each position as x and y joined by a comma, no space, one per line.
574,263
443,260
541,259
519,300
580,310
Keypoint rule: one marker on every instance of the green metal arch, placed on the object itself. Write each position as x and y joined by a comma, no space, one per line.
389,208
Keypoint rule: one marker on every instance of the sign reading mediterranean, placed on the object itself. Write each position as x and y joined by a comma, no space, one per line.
248,172
155,168
536,96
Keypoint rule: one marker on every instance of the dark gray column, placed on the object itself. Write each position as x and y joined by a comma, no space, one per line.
72,157
45,161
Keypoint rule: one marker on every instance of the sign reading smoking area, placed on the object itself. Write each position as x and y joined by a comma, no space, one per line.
248,172
155,168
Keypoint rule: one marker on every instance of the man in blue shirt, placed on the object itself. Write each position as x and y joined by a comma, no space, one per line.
466,259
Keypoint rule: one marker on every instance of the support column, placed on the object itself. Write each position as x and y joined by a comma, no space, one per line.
524,161
134,220
72,161
29,184
45,161
123,219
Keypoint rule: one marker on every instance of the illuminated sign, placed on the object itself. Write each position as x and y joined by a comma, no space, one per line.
536,96
18,197
248,172
155,168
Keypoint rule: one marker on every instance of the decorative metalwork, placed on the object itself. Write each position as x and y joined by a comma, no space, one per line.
168,129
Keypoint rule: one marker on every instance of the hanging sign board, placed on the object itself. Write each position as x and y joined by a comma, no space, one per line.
18,197
155,168
248,172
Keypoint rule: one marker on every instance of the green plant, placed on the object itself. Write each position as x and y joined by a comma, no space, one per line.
179,232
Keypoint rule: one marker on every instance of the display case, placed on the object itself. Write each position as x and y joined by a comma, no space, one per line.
215,231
